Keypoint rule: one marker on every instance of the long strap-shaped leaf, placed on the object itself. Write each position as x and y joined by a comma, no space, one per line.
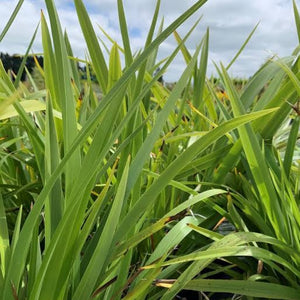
4,240
91,39
223,251
104,247
297,18
65,94
124,33
244,287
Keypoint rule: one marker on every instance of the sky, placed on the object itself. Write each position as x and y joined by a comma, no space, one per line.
229,22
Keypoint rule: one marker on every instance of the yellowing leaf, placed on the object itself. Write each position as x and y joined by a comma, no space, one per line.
28,105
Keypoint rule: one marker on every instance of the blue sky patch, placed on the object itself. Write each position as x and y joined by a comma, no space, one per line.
135,32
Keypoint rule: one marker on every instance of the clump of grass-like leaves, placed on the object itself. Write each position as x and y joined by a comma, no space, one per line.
124,194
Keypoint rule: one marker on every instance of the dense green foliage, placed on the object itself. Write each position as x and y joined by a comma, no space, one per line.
132,190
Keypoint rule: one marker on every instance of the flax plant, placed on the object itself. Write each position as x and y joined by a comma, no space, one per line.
122,194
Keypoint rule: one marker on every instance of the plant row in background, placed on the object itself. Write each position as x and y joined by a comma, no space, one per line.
139,191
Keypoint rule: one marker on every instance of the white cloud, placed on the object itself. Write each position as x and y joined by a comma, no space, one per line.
229,21
21,31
